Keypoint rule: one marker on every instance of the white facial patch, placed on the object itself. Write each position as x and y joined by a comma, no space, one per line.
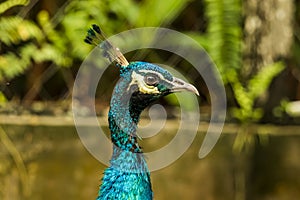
158,74
143,87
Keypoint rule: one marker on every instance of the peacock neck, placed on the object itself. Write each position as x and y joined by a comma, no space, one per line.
123,117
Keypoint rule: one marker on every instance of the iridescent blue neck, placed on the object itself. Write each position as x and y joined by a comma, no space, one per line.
122,121
128,176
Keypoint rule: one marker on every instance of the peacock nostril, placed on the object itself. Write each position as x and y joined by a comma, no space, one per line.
179,82
180,86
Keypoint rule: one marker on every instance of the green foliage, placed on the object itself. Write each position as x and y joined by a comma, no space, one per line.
58,39
114,16
223,42
224,34
256,86
14,31
11,65
283,108
3,99
11,3
162,12
33,45
246,97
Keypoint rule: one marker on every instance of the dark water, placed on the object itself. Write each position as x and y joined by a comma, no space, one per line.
59,167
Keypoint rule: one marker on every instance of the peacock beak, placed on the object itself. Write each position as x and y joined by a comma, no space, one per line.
179,85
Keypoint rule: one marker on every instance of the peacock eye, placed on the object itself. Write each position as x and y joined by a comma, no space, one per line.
151,80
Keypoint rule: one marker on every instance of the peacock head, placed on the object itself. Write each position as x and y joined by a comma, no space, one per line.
140,84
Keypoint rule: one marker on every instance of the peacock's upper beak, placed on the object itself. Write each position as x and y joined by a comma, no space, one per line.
179,85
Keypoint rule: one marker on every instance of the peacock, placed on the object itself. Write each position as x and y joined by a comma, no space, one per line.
140,84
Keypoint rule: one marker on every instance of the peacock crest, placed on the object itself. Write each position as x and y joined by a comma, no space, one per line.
96,37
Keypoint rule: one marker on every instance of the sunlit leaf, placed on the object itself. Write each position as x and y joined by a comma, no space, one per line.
15,29
260,83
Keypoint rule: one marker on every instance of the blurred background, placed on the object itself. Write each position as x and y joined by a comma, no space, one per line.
255,45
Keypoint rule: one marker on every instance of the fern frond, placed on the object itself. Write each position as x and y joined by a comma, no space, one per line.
260,82
11,65
49,52
15,30
224,32
11,3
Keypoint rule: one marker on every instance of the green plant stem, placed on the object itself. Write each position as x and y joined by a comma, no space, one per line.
11,148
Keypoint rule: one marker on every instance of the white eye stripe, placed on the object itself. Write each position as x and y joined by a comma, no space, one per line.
156,73
152,72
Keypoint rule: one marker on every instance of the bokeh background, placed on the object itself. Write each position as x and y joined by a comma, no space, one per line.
255,45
